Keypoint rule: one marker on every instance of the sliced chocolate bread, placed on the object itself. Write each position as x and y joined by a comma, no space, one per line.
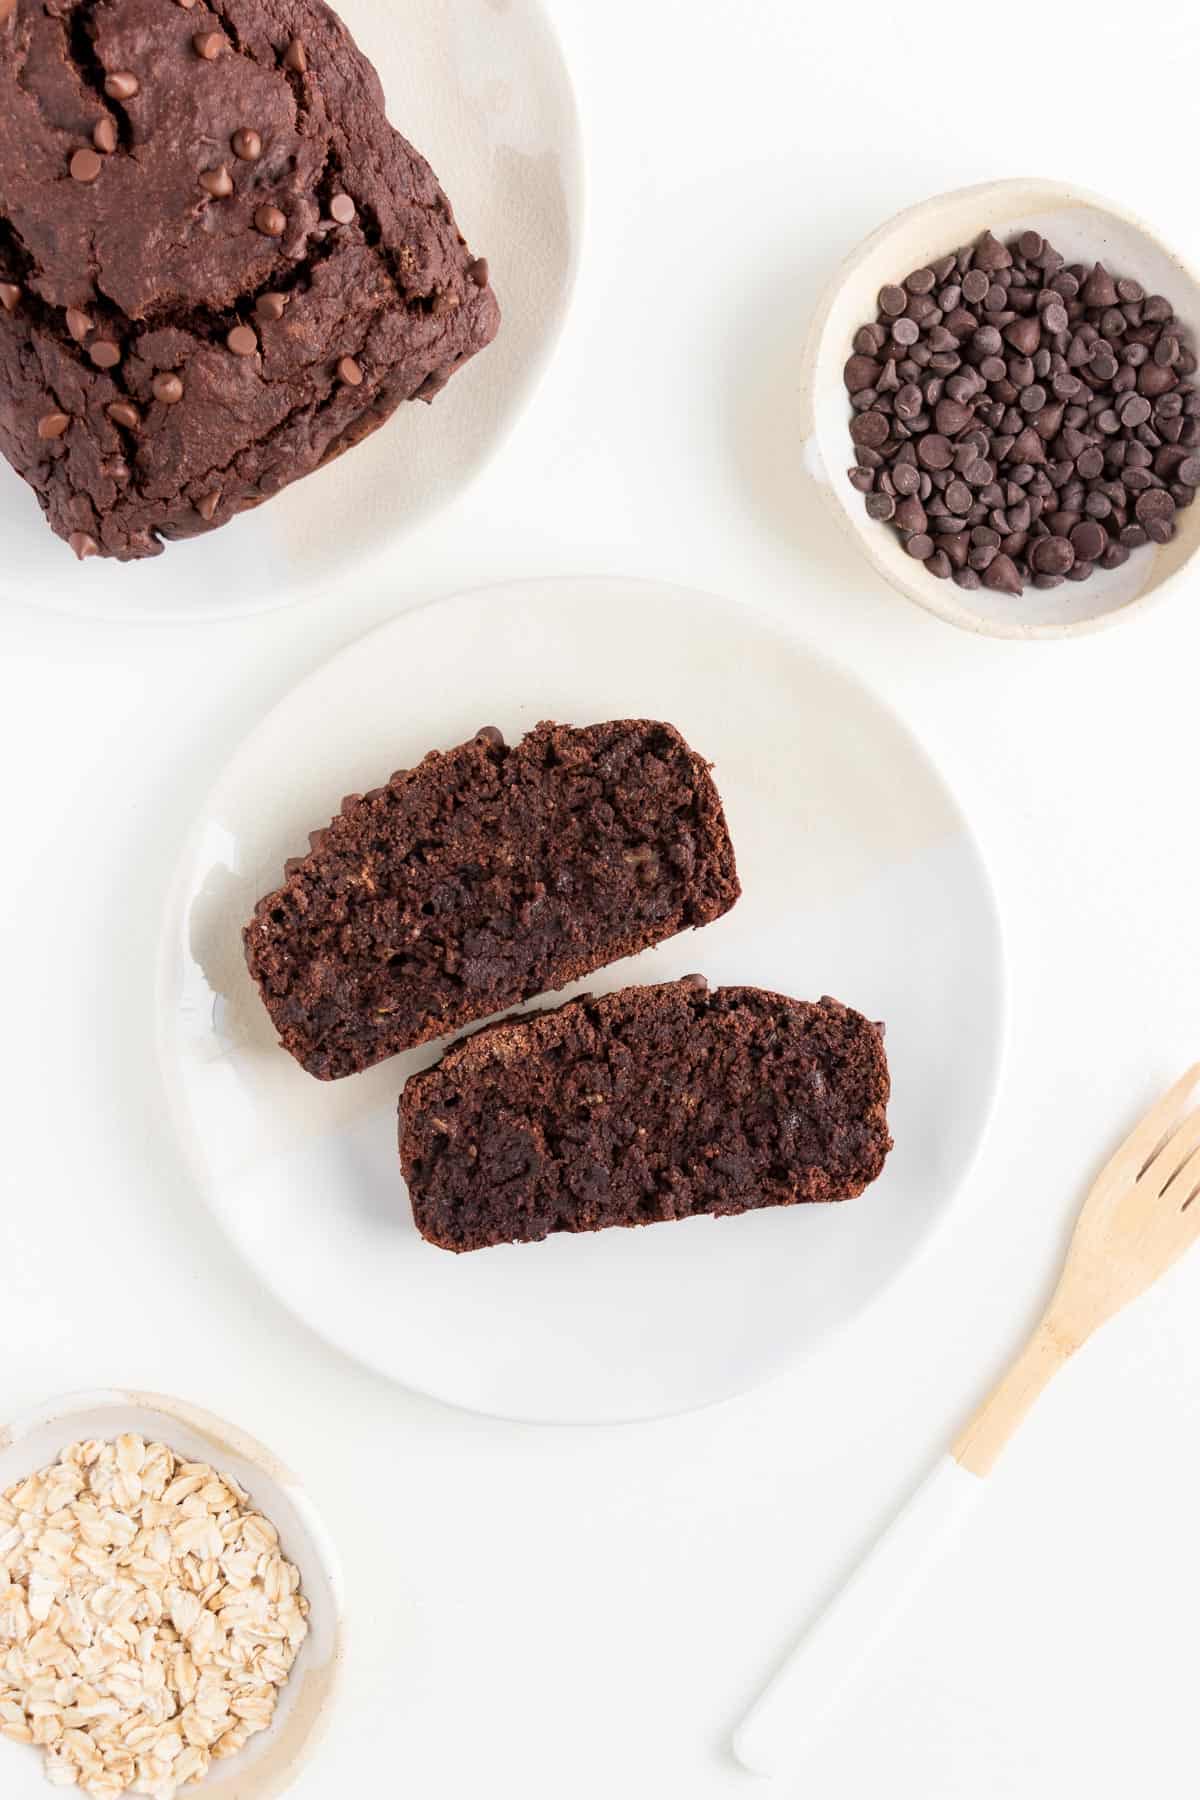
483,877
651,1103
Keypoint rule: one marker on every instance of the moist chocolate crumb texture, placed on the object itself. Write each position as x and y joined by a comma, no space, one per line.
219,265
649,1104
483,877
1018,418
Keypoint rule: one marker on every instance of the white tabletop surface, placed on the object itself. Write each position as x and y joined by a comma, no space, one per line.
545,1612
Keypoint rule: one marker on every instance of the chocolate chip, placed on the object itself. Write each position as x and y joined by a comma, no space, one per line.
122,85
935,451
85,165
242,340
905,332
342,209
83,544
870,428
10,296
247,145
348,372
951,417
991,254
1154,504
218,182
104,353
478,271
1188,472
270,307
167,387
1135,411
1052,555
295,58
1001,575
1153,379
1024,334
208,45
919,546
1088,541
892,301
78,323
1099,289
104,136
207,504
860,373
122,413
880,506
53,424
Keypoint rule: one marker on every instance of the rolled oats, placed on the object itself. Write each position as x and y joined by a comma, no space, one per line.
148,1618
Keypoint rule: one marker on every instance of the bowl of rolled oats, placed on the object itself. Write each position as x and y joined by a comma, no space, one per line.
170,1605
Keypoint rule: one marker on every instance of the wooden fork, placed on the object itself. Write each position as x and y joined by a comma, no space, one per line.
1142,1213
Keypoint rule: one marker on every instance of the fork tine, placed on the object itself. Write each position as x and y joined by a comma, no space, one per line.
1146,1138
1185,1185
1165,1164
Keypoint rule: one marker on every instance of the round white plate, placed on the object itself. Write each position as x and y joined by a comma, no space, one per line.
480,87
861,879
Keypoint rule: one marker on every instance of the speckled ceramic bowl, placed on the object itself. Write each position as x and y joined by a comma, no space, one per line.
271,1760
1086,229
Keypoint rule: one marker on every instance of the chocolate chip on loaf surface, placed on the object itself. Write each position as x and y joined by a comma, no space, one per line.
220,266
649,1104
483,877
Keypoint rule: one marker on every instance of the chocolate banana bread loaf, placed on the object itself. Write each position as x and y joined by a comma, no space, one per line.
219,264
483,877
648,1104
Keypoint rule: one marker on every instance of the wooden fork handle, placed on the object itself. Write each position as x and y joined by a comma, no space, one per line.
1010,1400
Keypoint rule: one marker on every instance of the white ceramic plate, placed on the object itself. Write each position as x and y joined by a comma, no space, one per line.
271,1760
861,880
480,87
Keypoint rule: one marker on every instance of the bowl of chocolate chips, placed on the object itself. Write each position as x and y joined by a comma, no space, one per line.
1001,404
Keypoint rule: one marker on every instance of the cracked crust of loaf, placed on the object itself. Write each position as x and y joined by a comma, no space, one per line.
642,1106
165,270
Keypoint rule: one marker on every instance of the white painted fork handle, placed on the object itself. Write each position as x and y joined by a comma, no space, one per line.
842,1639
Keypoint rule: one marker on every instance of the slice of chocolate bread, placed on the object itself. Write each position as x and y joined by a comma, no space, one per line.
651,1103
483,877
